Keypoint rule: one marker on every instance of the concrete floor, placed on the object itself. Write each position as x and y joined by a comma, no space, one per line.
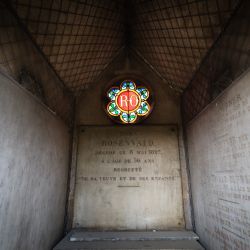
164,240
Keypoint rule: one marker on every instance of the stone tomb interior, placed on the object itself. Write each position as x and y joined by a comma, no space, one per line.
72,178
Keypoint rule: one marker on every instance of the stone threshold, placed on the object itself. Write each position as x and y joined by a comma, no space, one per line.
140,240
132,235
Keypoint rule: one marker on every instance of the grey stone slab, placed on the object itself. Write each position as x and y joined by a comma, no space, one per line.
139,245
218,146
125,180
34,152
135,236
145,240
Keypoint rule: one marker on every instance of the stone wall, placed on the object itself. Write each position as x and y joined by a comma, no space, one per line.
21,59
90,111
34,148
219,146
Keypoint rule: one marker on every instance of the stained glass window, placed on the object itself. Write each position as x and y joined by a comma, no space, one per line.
127,102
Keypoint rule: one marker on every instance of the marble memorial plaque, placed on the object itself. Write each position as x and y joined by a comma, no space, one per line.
128,178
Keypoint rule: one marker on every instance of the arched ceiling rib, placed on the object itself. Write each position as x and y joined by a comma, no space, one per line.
79,38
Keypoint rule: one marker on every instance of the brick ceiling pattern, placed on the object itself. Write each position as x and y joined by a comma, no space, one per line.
174,36
80,38
228,59
20,60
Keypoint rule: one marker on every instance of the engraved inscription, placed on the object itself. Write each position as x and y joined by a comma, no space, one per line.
130,177
219,147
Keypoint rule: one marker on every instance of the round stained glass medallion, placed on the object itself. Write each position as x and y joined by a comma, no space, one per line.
128,101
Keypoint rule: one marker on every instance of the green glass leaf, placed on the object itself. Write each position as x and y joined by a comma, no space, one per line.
143,92
132,117
143,109
128,85
112,93
113,109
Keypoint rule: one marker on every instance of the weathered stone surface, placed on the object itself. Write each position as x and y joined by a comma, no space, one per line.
182,240
128,178
80,235
33,171
131,245
219,146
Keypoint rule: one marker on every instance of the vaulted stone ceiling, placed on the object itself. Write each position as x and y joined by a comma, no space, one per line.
80,38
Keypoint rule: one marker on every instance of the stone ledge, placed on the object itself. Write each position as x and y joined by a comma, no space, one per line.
162,240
